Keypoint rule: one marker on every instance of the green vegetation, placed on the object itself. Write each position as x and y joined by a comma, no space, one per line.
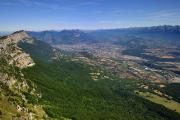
68,91
173,90
171,104
38,48
6,109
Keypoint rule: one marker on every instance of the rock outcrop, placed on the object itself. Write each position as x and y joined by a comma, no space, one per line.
8,47
13,85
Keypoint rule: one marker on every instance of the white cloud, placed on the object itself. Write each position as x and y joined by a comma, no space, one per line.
55,4
165,14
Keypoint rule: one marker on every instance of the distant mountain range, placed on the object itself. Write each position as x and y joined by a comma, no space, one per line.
64,36
165,32
164,28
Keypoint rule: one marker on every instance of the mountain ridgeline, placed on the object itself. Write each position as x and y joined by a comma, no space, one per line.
56,85
165,33
64,36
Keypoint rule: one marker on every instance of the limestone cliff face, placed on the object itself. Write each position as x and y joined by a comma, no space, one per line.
8,47
18,36
12,82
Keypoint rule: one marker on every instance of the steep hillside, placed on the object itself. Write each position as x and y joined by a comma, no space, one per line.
13,103
73,89
48,84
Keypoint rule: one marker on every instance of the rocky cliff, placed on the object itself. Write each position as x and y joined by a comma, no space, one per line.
13,86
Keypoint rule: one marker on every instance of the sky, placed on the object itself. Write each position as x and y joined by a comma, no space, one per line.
40,15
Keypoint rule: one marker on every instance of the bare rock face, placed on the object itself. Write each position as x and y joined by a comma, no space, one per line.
8,47
19,36
16,37
12,60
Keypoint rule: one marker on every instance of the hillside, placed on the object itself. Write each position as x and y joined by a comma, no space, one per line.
57,85
73,86
13,103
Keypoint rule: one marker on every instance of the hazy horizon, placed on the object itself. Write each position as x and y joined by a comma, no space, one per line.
9,32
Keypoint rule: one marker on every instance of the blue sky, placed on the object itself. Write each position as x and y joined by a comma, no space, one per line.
86,14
